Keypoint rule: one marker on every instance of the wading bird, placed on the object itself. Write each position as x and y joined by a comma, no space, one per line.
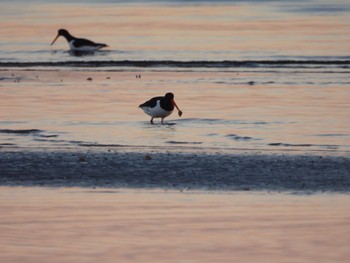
160,107
78,44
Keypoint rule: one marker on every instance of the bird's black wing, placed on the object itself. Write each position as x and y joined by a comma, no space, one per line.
150,103
80,42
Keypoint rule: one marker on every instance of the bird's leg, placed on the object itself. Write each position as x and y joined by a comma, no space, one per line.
162,121
152,121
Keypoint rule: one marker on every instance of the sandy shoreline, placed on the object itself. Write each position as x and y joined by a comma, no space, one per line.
174,170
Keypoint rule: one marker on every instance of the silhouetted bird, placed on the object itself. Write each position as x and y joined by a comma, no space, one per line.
78,44
160,107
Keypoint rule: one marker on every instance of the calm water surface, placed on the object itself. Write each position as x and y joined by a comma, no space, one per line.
77,225
177,30
222,110
229,102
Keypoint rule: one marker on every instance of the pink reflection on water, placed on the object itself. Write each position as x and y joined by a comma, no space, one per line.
216,106
48,225
246,28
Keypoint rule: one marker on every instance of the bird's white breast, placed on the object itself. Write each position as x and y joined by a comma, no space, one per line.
157,111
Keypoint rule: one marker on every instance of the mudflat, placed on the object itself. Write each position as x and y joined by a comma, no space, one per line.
153,169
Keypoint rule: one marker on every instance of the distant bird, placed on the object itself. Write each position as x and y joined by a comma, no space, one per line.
160,107
78,44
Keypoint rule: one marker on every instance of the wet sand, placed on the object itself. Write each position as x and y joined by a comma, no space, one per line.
147,168
113,225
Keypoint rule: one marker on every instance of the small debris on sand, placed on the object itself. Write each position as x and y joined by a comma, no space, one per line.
148,157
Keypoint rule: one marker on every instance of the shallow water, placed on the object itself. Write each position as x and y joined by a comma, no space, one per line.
177,30
83,225
222,110
256,75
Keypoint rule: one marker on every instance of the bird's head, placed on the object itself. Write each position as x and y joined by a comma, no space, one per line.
61,32
170,96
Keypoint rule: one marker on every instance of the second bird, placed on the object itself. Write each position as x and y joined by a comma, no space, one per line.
160,107
78,44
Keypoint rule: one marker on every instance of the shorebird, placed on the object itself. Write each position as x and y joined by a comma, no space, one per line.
78,44
160,107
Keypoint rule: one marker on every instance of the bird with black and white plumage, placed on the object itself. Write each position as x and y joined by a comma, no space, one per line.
160,107
78,44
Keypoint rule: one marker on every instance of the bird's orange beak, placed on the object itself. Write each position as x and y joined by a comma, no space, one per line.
179,111
55,39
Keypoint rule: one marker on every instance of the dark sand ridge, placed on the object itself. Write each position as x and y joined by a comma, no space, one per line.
173,170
